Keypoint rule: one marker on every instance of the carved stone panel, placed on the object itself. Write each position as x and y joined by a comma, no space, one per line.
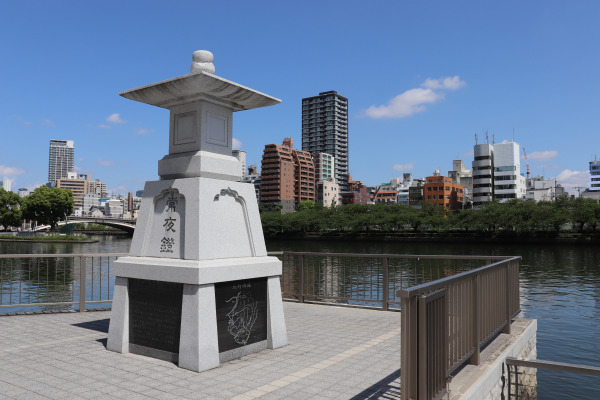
241,313
167,231
155,318
229,212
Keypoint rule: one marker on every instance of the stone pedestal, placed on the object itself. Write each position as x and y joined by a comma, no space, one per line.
198,287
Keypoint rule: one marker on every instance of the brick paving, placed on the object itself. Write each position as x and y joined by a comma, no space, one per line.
333,353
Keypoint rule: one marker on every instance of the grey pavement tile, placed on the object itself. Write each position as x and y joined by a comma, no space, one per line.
84,368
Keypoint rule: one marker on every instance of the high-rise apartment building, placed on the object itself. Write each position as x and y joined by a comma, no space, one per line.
324,167
325,130
594,175
60,162
288,176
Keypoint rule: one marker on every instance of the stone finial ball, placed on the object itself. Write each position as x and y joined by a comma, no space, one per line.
202,62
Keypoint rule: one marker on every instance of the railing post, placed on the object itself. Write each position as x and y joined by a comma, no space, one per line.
408,340
507,305
301,290
477,320
82,282
386,294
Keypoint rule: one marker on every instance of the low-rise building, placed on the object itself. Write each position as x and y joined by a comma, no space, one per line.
357,193
442,191
328,192
77,184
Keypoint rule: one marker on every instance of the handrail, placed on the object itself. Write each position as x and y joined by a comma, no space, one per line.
430,286
554,366
63,255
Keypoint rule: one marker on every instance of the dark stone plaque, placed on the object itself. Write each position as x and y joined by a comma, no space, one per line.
241,313
155,318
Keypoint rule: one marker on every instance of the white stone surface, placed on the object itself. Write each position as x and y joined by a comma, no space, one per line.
276,330
200,86
196,272
202,61
118,331
199,164
200,125
198,344
197,225
221,220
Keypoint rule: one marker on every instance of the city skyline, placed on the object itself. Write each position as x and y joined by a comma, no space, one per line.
420,81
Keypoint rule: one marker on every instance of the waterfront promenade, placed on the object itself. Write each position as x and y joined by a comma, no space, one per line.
333,353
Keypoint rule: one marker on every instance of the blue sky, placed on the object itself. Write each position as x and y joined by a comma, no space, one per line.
421,78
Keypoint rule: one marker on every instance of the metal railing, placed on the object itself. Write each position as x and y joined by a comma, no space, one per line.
446,322
54,282
366,279
522,384
451,305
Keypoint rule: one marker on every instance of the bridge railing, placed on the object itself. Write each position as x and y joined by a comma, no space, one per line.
55,282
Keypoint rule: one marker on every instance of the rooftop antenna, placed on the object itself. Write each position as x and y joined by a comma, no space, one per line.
493,138
513,135
487,137
475,139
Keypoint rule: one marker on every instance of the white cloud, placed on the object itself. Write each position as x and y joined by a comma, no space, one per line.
27,122
571,179
118,190
404,167
449,83
48,122
115,119
32,186
10,171
105,163
143,131
104,126
414,101
236,144
80,159
542,155
405,104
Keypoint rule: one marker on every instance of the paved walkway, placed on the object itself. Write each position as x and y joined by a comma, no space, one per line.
333,353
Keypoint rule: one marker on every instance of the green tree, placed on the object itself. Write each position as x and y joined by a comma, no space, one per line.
10,209
47,205
584,213
305,205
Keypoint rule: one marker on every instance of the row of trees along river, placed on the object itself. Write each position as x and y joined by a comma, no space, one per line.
45,205
515,218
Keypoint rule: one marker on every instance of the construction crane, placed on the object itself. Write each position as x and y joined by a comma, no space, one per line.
526,162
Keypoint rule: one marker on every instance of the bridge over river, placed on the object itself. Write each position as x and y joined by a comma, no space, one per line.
127,225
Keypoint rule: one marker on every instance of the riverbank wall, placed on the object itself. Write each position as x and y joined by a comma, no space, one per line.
489,379
447,237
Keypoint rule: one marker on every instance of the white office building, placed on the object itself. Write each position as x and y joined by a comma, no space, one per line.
594,175
482,172
5,185
508,181
241,157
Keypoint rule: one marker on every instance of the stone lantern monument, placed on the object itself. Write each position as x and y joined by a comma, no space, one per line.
198,287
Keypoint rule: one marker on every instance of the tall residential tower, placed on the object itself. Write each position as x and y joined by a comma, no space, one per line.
325,130
60,162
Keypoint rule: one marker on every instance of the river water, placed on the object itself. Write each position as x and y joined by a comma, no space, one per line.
560,287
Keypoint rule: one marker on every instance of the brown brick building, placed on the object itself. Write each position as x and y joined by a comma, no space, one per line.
442,191
287,177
